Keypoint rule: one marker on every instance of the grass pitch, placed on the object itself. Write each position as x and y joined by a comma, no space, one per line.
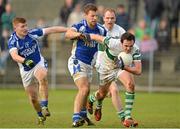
152,110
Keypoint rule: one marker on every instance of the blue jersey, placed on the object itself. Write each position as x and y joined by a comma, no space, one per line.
82,52
27,47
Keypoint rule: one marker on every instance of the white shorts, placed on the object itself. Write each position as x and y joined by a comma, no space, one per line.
79,69
109,76
28,77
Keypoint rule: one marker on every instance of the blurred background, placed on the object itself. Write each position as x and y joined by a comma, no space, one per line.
155,24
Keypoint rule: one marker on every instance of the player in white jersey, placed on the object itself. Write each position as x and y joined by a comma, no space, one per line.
112,68
114,31
24,49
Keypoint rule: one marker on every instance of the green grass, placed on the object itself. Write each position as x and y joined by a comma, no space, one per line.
151,110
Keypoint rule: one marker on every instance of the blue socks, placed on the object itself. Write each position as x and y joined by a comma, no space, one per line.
83,113
76,116
44,103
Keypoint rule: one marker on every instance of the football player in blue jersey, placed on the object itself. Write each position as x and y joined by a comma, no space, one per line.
82,59
24,49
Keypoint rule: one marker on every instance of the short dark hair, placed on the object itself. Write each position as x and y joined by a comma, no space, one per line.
127,36
89,7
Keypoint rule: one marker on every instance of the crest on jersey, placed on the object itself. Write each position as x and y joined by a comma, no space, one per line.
26,44
82,29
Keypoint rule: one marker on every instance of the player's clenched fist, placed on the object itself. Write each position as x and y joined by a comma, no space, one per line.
29,63
86,38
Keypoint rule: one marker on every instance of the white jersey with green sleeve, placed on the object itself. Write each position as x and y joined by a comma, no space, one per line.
115,32
113,48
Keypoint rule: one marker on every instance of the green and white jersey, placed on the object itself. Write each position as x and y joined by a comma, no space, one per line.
113,48
115,32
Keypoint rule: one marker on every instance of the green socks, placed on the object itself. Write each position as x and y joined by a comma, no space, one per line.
121,115
92,98
129,100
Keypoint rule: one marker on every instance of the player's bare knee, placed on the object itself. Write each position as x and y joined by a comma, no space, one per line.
101,95
85,90
40,75
43,82
130,86
114,90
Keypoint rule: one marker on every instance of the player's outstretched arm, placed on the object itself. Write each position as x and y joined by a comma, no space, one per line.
55,29
97,38
72,34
